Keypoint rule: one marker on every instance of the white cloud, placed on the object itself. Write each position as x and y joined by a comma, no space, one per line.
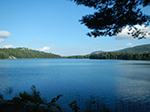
1,39
46,48
125,45
39,39
7,46
129,44
124,33
4,34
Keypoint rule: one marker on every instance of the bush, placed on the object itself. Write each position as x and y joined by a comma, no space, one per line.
1,97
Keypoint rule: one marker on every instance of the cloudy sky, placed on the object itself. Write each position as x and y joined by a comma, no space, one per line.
52,26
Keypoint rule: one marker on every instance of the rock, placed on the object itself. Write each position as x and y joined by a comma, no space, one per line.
12,57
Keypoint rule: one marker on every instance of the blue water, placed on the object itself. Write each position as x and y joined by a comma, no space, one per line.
78,79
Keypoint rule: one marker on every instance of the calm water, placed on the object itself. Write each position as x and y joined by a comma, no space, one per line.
79,79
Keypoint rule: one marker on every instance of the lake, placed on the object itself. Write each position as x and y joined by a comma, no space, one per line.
113,82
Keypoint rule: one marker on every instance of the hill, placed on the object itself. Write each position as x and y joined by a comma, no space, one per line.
137,49
97,52
19,53
135,53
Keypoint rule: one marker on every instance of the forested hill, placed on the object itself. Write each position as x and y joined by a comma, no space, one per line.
137,49
19,53
97,52
135,53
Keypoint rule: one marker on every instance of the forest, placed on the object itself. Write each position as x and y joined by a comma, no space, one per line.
25,53
78,56
121,56
20,53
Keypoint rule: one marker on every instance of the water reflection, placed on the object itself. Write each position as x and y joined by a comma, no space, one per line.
134,81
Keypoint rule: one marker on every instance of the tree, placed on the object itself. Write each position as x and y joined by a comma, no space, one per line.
112,16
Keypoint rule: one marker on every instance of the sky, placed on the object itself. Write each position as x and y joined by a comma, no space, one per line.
53,26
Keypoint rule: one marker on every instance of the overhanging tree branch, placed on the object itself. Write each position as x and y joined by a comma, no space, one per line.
112,16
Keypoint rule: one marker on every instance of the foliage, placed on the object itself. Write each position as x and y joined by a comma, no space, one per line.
53,102
26,102
55,99
25,97
1,96
9,90
24,53
79,56
137,49
92,106
121,55
112,16
74,106
33,102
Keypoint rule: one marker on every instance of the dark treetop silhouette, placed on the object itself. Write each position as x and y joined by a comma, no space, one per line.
112,16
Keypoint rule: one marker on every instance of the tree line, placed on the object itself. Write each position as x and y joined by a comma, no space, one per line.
121,56
78,56
24,53
21,53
